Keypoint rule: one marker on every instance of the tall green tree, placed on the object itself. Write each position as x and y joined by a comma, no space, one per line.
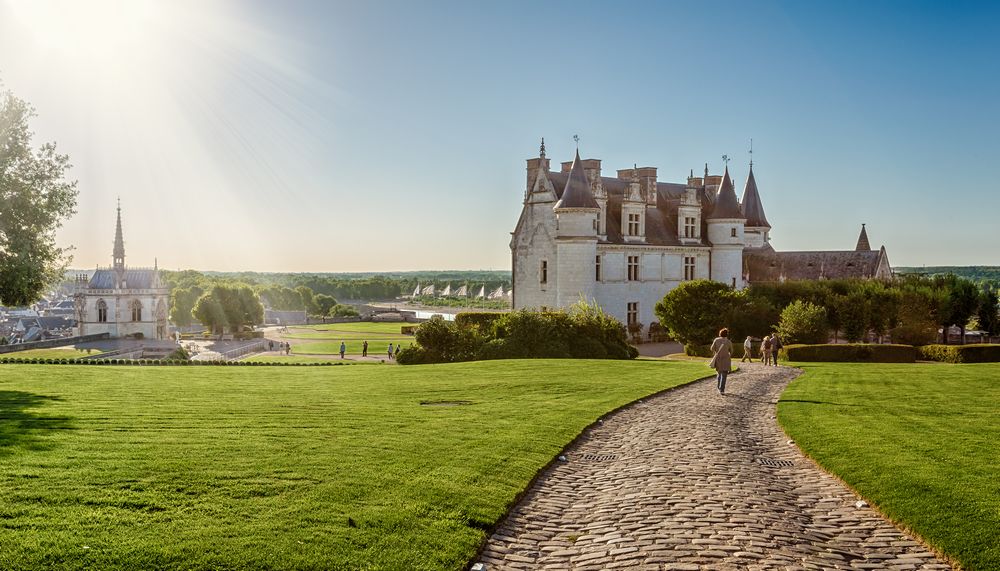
235,307
989,320
35,199
182,302
803,322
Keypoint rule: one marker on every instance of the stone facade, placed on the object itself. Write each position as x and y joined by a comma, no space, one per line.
626,241
122,301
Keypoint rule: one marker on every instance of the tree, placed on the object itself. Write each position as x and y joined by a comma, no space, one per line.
694,311
803,322
234,307
308,301
182,302
917,325
963,301
324,303
989,320
341,310
853,312
35,198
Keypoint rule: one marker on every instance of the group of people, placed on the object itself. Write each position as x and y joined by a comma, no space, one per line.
722,351
769,347
393,351
282,346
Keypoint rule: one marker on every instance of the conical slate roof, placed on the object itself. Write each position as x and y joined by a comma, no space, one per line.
863,245
577,192
119,250
752,207
726,205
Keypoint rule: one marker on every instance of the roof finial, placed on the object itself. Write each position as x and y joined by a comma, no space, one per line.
725,159
751,153
541,150
706,173
576,139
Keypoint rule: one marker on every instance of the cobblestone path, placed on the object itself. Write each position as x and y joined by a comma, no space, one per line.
696,480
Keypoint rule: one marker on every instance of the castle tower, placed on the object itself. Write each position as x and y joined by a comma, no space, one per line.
726,234
863,244
576,237
757,228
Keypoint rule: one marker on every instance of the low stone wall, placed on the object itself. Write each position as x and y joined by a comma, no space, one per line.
50,343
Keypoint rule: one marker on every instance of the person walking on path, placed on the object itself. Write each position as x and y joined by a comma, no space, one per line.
747,350
343,349
775,347
398,347
390,351
364,349
722,350
765,350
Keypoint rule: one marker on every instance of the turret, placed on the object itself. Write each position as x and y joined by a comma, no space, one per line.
725,233
863,244
538,188
757,228
576,236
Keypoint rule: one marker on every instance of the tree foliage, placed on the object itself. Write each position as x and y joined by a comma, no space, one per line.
694,311
803,322
35,198
233,307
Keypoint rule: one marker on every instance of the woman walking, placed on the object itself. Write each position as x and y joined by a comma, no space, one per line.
765,350
722,350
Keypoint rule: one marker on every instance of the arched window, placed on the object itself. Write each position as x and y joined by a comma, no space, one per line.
136,307
102,311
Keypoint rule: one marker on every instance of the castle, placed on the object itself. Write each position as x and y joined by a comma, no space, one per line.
122,301
626,241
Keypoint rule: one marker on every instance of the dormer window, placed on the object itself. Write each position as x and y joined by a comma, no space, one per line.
633,225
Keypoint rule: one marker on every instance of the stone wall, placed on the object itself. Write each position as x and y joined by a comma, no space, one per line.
50,343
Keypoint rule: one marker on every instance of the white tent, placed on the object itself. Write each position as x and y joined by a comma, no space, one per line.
416,290
497,293
462,292
429,290
482,293
446,291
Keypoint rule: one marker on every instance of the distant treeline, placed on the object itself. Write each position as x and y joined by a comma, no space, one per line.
983,276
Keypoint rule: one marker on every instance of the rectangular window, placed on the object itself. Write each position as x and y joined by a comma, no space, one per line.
597,268
733,233
543,274
632,315
734,283
688,268
633,225
689,227
633,268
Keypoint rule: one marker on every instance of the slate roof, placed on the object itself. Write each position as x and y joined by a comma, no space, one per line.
726,204
576,193
134,279
771,266
752,207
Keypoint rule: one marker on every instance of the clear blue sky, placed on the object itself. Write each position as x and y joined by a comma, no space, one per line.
367,136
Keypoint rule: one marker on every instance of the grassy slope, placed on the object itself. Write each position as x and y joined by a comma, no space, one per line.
54,353
325,339
920,441
234,468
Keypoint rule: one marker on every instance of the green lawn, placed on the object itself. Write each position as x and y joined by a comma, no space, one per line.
918,441
361,327
285,468
54,353
375,346
326,339
308,360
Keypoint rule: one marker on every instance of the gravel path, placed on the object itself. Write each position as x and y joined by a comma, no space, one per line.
696,480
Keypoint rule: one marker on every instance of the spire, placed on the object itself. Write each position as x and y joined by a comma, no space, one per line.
863,245
577,192
751,205
726,204
118,254
541,150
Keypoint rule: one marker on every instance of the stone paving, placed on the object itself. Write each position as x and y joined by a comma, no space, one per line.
693,480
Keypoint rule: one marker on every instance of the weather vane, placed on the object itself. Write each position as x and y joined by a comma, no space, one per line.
725,159
576,138
751,151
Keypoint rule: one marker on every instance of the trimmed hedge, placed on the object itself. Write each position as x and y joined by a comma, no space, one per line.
706,351
850,353
976,353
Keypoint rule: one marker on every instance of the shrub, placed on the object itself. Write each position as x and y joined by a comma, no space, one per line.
694,311
482,319
706,350
850,353
977,353
803,322
496,349
446,342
